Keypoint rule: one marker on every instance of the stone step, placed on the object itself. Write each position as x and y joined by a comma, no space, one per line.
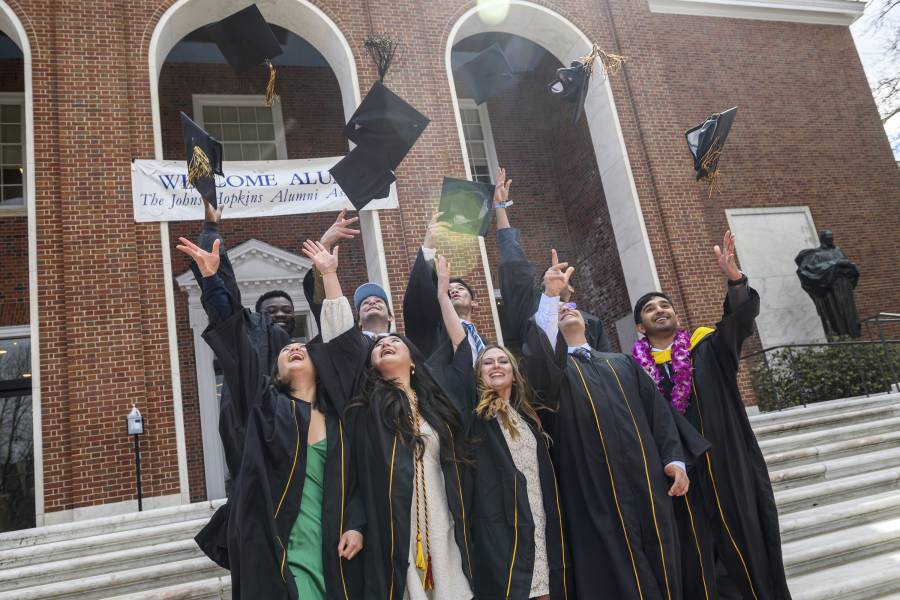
97,564
216,588
113,524
832,517
108,542
834,469
129,581
838,449
838,434
840,547
823,408
827,421
830,492
872,577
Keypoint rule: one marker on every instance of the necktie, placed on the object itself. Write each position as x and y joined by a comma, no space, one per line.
582,354
473,336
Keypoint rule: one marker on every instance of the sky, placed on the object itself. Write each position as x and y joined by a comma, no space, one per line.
870,43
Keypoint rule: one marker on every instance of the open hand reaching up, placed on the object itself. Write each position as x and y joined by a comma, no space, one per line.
340,230
556,278
326,262
208,262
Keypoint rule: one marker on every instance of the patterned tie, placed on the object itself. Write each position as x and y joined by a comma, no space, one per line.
582,354
473,335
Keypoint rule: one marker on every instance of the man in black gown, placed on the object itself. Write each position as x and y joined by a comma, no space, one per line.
728,523
615,442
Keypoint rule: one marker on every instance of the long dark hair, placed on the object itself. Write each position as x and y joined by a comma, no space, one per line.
434,406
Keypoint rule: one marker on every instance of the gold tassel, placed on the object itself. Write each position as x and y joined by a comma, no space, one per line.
270,87
711,178
611,62
199,166
420,554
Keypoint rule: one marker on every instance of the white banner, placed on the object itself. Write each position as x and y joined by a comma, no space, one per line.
160,191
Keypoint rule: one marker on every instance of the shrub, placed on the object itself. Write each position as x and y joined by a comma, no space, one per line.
806,375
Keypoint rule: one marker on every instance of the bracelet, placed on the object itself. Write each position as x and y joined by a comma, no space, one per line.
506,204
737,282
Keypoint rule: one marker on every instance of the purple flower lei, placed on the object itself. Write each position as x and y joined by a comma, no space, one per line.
682,377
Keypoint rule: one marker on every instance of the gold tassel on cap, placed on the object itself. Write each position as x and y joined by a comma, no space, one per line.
712,177
270,87
199,166
611,62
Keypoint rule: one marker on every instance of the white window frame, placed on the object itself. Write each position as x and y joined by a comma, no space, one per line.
18,211
238,100
493,163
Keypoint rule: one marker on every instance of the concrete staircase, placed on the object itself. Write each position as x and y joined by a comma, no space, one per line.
835,467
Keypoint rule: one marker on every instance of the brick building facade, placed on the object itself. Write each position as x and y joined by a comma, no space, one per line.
108,316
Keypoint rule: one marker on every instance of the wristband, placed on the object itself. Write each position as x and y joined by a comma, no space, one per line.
506,204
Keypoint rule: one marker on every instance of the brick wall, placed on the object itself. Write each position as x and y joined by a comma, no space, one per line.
13,271
808,133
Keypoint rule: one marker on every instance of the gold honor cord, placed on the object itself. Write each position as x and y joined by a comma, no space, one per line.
270,86
288,484
612,480
341,534
391,512
712,480
512,561
200,166
647,477
562,539
423,558
697,544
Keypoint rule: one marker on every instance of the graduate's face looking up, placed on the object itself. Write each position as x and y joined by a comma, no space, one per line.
658,317
390,357
374,315
570,319
461,299
495,369
293,360
281,310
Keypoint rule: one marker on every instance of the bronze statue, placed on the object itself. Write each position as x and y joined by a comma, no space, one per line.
829,277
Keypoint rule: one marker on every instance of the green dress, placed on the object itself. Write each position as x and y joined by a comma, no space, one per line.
305,544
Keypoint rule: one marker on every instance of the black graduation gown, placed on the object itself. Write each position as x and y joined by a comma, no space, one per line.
521,300
730,510
257,520
613,434
422,319
266,337
502,526
385,467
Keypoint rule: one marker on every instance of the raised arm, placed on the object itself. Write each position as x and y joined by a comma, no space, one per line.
337,317
313,287
741,305
421,311
452,325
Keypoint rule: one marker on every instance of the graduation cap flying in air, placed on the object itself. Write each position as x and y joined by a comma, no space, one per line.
706,141
466,205
571,83
247,41
204,159
384,128
487,74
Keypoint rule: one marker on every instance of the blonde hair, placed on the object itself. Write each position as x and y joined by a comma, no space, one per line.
491,405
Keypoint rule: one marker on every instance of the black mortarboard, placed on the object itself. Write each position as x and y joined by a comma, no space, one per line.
204,158
385,123
466,205
487,74
247,41
363,176
705,141
571,83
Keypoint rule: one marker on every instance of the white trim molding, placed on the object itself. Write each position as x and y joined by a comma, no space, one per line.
819,12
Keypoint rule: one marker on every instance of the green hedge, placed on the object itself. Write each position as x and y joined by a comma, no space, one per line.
808,375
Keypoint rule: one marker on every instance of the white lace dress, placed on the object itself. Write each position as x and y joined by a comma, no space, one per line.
524,454
450,581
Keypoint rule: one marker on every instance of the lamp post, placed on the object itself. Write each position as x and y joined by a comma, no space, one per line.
135,429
